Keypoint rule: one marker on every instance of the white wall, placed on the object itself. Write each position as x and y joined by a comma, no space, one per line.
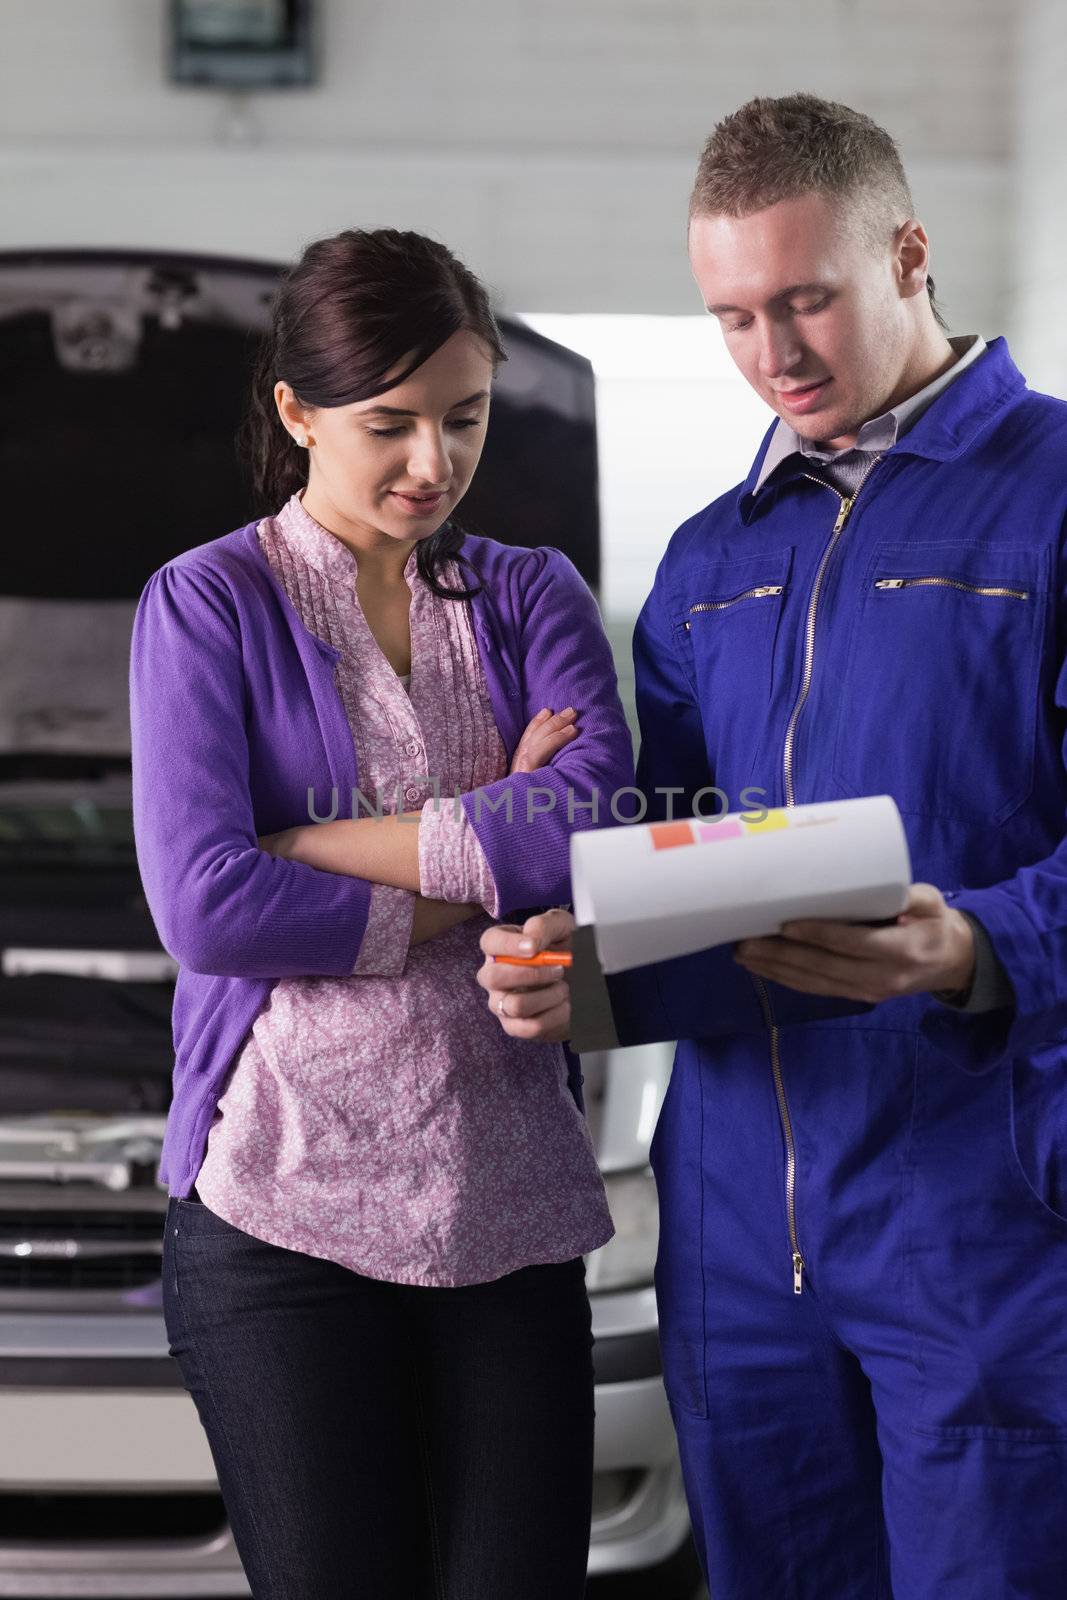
1039,258
551,142
677,426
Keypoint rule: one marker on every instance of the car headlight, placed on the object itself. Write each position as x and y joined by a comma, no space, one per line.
628,1259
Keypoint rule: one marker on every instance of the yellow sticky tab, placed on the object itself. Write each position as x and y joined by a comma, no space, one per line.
773,819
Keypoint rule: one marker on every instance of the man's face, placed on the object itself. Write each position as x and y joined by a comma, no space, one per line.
813,317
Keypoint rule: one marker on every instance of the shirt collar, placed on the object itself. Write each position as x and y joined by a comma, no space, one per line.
878,433
323,550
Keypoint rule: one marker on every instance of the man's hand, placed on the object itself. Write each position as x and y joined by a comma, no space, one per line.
929,946
531,1002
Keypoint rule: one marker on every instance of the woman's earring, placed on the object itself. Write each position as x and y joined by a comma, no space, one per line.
302,440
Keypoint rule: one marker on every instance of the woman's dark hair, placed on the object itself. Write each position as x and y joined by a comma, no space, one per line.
347,314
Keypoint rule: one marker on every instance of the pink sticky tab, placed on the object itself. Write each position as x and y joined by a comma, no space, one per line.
708,832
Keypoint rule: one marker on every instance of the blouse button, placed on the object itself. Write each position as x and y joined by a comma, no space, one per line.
414,748
411,794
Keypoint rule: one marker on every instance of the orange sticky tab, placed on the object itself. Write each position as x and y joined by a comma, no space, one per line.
773,819
668,835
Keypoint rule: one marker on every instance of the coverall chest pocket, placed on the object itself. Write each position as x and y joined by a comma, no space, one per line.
728,623
938,702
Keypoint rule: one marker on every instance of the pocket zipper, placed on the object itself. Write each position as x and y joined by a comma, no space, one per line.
950,583
746,594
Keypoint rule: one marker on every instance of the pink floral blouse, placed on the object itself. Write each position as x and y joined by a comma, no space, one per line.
384,1120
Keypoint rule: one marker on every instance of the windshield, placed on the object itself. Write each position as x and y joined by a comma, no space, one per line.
65,733
66,822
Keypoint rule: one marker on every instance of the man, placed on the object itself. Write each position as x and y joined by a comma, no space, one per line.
862,1154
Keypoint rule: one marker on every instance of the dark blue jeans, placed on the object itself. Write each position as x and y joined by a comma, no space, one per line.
380,1440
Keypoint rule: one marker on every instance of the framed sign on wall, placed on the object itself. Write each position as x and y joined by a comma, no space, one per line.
242,44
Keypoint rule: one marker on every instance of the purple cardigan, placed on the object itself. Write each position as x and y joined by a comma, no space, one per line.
235,716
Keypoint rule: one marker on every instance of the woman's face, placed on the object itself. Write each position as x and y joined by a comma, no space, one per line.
393,468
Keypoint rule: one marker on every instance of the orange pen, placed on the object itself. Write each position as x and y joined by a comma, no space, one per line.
543,958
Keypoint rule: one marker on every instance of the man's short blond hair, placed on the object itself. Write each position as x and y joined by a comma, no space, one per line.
782,148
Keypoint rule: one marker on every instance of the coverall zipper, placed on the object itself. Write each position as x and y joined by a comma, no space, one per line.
847,502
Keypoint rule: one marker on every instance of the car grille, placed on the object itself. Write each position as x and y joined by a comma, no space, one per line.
80,1246
56,1519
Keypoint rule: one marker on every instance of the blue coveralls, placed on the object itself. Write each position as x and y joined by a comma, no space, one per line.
899,1425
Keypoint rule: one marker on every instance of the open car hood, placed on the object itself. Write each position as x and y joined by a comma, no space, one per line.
126,377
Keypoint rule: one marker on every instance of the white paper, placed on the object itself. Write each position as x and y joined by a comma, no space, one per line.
656,890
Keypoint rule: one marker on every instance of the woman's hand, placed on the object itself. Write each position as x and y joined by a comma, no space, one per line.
439,916
530,1002
544,735
285,844
929,946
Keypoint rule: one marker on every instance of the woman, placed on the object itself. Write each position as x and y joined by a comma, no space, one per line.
379,1205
